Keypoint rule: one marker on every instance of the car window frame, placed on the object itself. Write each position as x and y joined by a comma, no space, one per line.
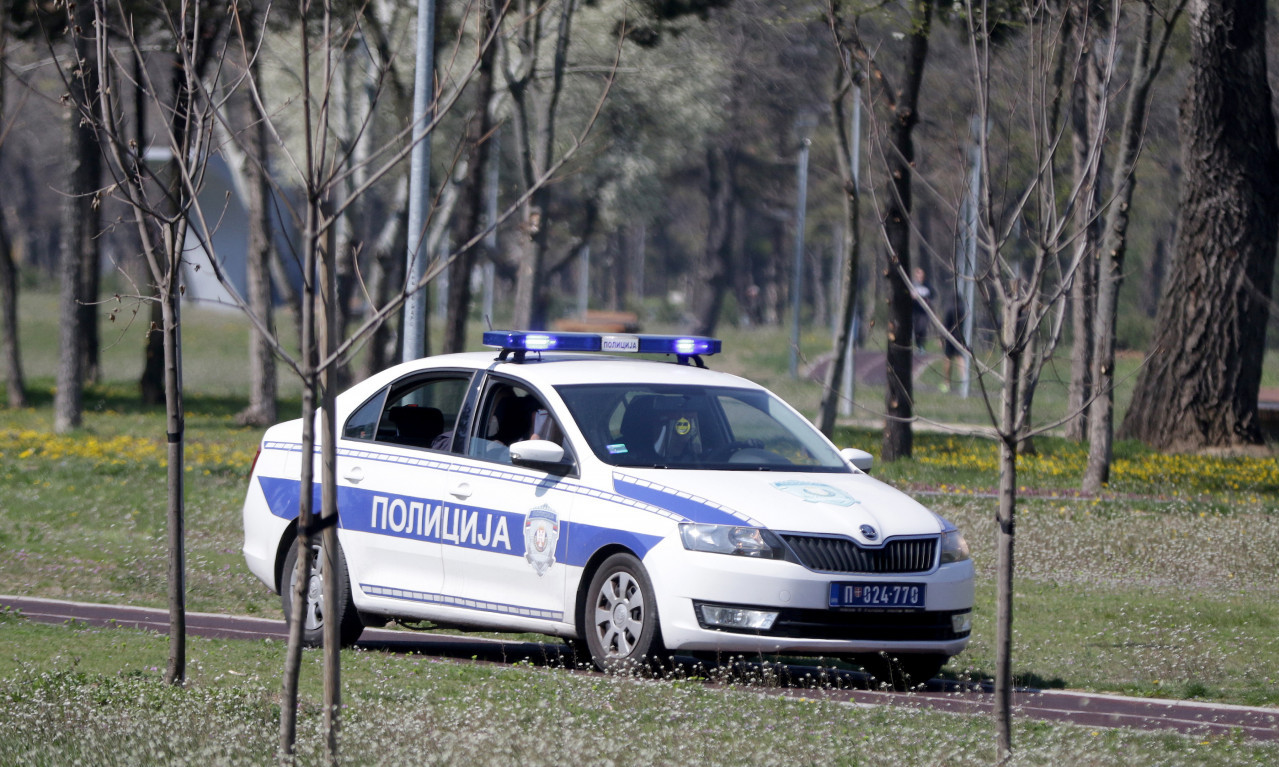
485,384
396,389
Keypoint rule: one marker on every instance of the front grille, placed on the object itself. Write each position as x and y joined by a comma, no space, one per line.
888,626
841,555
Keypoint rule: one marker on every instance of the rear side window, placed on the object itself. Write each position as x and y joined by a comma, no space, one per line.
362,424
417,413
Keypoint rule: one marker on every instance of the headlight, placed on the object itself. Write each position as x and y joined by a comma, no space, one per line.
953,546
728,539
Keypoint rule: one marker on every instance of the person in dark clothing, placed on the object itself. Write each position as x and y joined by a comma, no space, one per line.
922,293
954,323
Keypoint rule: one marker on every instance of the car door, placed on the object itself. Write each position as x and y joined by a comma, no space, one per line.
506,528
393,466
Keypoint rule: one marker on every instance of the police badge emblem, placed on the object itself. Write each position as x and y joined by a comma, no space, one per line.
541,534
816,492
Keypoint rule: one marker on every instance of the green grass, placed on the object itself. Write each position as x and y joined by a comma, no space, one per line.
1163,586
78,695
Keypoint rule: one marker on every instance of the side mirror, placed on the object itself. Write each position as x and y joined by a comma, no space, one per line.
539,454
860,459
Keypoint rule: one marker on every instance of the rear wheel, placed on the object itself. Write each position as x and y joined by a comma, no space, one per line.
905,671
314,612
619,619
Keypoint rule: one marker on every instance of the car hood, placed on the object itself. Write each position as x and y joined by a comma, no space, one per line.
841,504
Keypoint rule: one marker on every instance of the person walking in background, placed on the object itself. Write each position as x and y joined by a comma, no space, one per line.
919,311
953,321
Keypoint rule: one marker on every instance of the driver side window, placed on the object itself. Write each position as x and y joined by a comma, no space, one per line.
510,413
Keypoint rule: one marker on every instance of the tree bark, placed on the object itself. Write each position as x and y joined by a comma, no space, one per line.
1011,431
1200,385
1085,112
15,382
175,426
534,122
713,275
899,394
263,383
79,214
479,149
851,233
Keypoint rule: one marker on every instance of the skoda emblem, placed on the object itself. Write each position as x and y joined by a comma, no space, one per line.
869,532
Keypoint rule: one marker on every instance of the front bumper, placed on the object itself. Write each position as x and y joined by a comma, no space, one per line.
805,624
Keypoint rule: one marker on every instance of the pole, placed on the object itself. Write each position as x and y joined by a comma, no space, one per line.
584,282
968,265
419,182
490,221
847,387
797,282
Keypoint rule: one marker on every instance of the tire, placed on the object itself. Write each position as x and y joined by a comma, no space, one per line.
906,671
350,626
619,617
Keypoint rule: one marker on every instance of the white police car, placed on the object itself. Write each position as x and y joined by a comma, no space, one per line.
638,506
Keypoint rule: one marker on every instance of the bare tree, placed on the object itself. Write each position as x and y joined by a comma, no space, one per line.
847,85
79,217
161,208
263,384
904,104
1148,61
1027,230
1085,108
15,383
479,148
535,89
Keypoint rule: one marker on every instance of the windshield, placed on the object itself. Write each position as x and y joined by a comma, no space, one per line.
696,427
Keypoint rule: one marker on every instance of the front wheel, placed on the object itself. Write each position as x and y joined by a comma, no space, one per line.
313,613
619,619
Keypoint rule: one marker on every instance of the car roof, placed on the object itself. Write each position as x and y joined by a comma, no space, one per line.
557,369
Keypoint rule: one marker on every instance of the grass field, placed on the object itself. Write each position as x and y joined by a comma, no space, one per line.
1163,586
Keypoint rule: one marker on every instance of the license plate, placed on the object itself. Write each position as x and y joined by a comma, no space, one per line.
902,595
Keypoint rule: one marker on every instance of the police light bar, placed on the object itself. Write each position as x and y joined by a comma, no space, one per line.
520,341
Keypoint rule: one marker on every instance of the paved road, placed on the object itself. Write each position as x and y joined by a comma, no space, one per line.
1085,709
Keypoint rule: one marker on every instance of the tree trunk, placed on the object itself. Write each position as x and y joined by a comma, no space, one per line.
175,421
79,236
329,338
263,384
1114,247
300,577
714,273
851,233
899,395
534,122
15,384
1006,522
1085,112
479,149
1200,386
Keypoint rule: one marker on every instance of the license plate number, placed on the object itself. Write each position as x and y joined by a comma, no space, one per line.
907,595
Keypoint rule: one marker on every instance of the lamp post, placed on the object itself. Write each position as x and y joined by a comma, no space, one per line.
414,324
804,125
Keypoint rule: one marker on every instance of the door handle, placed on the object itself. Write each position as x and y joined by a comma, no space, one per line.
461,490
355,475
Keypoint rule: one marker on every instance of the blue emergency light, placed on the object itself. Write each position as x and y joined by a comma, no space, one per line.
519,342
